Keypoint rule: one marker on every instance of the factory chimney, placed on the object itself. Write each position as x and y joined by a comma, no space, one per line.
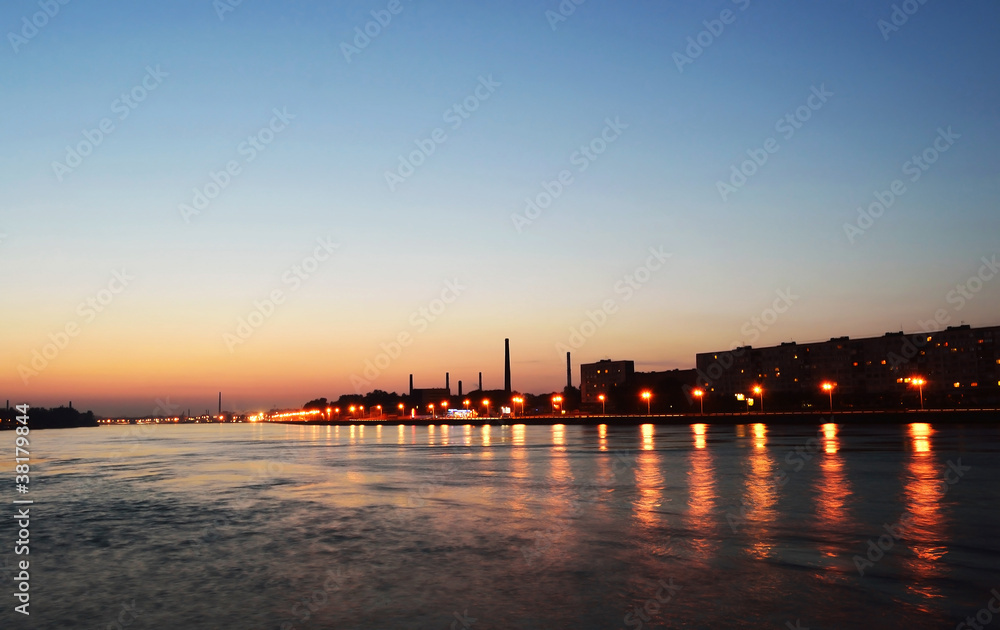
460,389
480,381
569,373
447,382
506,365
411,384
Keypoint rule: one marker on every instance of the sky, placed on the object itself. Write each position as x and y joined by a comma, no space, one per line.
287,200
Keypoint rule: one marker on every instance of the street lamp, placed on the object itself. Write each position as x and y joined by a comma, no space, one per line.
379,407
700,395
646,396
556,402
486,403
401,407
431,407
600,397
828,388
466,402
519,399
919,382
757,389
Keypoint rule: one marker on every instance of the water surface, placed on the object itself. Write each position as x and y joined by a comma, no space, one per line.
278,526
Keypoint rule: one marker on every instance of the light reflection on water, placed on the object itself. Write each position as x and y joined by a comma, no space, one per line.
231,526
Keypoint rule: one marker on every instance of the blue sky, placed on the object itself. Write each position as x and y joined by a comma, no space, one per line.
324,175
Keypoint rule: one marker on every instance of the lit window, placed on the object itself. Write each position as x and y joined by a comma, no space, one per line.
957,384
975,384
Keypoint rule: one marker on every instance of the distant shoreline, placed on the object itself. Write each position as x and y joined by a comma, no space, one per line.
947,416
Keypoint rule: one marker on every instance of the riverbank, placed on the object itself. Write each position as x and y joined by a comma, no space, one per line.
943,416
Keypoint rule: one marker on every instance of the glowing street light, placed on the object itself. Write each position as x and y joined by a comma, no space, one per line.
401,407
757,389
556,402
328,413
601,398
466,402
700,395
646,396
431,407
486,403
919,382
379,407
519,399
828,388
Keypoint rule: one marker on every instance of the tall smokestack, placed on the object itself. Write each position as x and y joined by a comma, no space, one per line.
411,384
447,382
220,403
506,365
569,373
480,381
460,389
